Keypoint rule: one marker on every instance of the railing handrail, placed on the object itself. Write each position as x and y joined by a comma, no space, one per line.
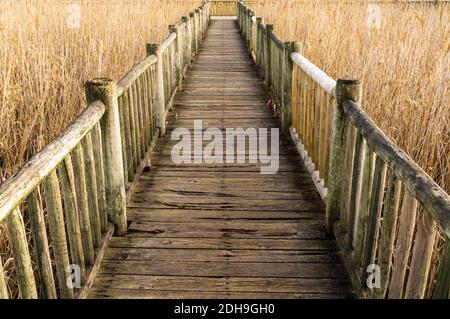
314,72
135,72
25,180
429,194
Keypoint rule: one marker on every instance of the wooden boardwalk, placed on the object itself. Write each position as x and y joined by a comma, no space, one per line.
224,230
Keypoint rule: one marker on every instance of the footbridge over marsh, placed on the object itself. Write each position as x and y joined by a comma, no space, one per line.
345,214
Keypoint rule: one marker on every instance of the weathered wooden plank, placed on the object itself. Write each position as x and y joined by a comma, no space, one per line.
229,255
194,216
221,269
229,284
229,229
225,243
169,294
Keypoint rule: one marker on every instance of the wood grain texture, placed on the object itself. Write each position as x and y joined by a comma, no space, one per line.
222,230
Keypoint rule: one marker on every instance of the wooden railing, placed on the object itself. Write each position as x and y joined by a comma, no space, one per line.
387,214
77,184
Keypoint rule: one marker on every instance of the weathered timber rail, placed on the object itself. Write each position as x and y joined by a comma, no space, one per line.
138,225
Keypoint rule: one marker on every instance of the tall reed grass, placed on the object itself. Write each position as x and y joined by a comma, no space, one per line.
400,51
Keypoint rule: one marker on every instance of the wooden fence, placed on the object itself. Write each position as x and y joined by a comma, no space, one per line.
79,181
384,210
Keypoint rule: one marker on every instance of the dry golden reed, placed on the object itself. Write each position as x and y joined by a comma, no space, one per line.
400,51
45,60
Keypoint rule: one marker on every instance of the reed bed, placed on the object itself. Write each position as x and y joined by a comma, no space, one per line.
400,51
48,49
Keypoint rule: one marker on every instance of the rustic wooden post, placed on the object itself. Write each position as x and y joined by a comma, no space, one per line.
22,260
268,56
105,90
250,29
286,100
154,48
178,53
345,90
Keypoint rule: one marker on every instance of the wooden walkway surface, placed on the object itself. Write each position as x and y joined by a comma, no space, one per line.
224,230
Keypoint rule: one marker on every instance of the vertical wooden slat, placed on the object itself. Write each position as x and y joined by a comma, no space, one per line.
134,131
139,119
82,204
97,145
41,248
347,167
366,190
58,233
3,287
322,132
329,135
146,106
22,260
123,122
442,289
375,206
356,185
65,173
421,257
91,187
403,244
388,229
268,61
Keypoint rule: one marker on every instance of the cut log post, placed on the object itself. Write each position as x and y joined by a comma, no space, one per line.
40,240
58,234
22,260
178,56
154,48
345,90
105,90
